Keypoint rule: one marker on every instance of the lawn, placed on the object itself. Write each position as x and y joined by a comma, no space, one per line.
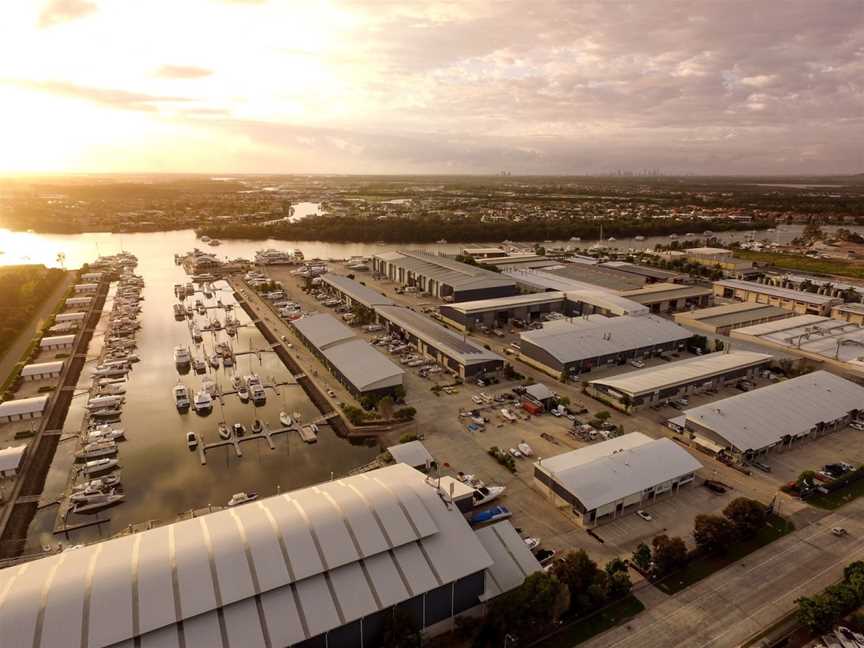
838,498
805,264
578,631
703,566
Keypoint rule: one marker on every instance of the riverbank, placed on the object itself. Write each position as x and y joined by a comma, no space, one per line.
800,263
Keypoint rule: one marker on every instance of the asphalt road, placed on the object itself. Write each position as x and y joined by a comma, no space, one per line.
730,606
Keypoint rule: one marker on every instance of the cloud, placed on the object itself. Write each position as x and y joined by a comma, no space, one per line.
61,11
182,72
114,98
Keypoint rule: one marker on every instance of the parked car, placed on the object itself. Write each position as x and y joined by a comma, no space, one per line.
645,515
637,363
839,532
745,385
715,486
857,425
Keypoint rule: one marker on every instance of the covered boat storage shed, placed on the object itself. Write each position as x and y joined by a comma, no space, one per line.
607,480
352,360
655,385
777,416
22,409
325,566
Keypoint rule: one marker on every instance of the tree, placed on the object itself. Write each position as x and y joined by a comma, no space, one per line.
669,554
748,516
642,556
615,565
805,480
529,608
398,633
619,585
385,407
405,413
399,393
579,573
713,533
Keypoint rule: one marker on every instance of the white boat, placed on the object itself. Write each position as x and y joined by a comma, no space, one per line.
236,382
259,396
181,397
243,393
199,366
98,466
284,419
100,484
105,402
531,543
525,449
182,357
242,498
486,494
257,427
224,431
113,412
97,503
196,334
208,385
203,402
239,429
97,450
191,440
515,453
214,361
96,436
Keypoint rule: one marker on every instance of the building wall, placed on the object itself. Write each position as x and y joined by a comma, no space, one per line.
41,376
854,318
748,295
20,417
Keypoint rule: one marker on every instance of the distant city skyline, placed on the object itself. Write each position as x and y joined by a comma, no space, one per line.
385,87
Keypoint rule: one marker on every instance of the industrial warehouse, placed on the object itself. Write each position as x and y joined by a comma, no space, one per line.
722,320
463,357
354,293
669,297
42,370
794,300
327,565
22,409
357,365
656,385
608,480
441,276
776,416
570,347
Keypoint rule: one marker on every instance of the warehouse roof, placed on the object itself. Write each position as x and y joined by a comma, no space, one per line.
413,453
730,314
544,280
596,275
322,330
355,290
435,335
366,368
485,305
513,560
539,391
850,308
69,317
708,251
774,291
607,301
10,458
445,270
757,419
659,292
42,368
645,271
606,472
57,340
682,372
78,300
23,406
289,567
582,338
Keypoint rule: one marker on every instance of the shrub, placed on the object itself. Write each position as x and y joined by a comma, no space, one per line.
405,414
747,515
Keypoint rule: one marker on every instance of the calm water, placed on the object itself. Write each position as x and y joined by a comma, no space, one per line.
161,477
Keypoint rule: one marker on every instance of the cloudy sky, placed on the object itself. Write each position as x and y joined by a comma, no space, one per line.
461,86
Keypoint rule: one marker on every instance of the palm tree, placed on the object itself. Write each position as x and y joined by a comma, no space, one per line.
61,259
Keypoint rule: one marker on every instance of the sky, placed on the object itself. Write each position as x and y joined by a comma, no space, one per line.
461,86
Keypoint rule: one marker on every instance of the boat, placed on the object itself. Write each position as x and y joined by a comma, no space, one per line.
239,429
525,449
224,430
191,440
199,366
113,412
179,312
105,402
490,515
243,393
531,543
203,402
182,357
98,502
236,383
227,359
208,385
639,238
441,241
259,396
97,450
486,494
99,466
196,334
96,436
515,453
181,397
214,361
242,498
284,419
257,426
99,484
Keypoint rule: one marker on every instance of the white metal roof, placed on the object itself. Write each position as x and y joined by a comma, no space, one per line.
363,365
42,368
447,271
582,338
413,453
485,305
355,290
611,470
289,567
69,317
513,561
78,300
608,301
23,406
323,330
539,391
10,457
653,293
682,371
57,340
757,419
782,293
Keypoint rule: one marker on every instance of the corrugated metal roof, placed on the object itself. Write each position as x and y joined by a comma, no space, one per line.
42,368
23,406
608,301
323,330
512,563
756,419
57,340
355,290
299,553
445,270
413,453
658,292
69,317
10,457
582,338
485,305
782,293
609,471
704,367
365,367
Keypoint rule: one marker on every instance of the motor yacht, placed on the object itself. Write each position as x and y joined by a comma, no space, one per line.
99,466
203,403
191,440
242,498
182,356
181,397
